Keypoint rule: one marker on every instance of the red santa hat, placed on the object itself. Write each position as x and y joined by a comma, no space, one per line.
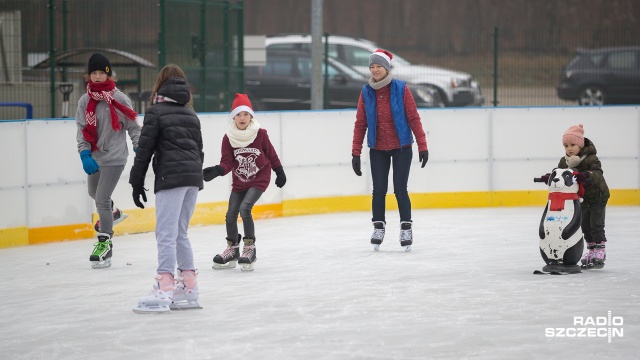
381,57
241,103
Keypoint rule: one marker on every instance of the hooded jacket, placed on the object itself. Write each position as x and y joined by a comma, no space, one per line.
171,136
596,191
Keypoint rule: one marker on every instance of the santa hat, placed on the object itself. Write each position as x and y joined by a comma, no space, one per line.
241,103
98,61
574,135
381,57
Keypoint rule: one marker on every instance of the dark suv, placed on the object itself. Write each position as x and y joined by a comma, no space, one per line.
284,83
602,76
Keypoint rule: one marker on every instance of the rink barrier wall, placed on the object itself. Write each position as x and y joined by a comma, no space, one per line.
479,157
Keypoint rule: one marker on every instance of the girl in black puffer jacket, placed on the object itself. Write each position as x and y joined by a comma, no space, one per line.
581,156
171,136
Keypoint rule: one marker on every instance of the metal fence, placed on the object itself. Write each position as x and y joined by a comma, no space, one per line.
514,67
139,37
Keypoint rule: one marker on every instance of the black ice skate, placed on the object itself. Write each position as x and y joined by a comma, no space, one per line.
378,234
229,257
406,235
102,252
118,216
248,257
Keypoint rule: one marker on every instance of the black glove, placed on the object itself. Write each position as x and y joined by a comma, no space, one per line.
281,178
355,163
213,172
581,177
423,156
137,192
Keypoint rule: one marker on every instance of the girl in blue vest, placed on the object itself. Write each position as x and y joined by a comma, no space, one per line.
388,115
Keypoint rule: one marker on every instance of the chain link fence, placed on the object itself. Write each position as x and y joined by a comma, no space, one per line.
514,67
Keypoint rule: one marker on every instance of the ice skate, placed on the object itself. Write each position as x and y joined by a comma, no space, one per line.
599,256
406,235
229,257
587,259
102,252
248,257
378,234
185,296
118,216
159,299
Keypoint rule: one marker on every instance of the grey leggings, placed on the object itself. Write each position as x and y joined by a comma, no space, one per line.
101,186
241,203
174,208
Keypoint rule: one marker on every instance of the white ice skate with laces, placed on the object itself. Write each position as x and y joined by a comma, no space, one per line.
185,296
406,235
158,301
378,234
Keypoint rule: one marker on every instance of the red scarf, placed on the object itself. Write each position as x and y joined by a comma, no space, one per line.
558,198
103,91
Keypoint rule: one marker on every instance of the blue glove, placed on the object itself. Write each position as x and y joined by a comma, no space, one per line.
89,165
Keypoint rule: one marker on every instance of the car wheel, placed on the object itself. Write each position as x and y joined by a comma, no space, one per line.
591,96
438,96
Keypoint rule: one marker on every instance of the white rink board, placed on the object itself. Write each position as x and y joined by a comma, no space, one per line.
474,149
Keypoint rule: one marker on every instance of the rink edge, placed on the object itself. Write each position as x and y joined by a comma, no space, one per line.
143,220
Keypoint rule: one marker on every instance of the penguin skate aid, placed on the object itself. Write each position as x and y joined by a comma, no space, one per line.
579,168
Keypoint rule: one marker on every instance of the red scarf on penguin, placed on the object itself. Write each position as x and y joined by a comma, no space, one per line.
103,91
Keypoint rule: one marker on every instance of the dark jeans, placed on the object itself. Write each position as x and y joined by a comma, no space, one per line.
593,222
241,203
381,161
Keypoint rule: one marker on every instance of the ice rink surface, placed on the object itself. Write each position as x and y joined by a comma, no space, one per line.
319,291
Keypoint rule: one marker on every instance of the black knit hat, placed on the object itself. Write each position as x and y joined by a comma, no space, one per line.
99,62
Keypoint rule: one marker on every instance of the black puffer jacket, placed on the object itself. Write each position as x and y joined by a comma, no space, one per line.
596,190
171,136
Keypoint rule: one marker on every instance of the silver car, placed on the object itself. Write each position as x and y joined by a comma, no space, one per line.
454,88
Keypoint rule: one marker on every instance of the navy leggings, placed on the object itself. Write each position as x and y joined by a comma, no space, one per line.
381,161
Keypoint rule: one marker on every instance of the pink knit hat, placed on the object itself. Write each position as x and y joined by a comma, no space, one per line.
241,103
574,135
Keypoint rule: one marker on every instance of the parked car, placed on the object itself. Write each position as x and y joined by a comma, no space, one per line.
454,88
602,76
284,83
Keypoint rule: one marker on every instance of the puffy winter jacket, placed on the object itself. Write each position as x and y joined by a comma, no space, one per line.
596,190
171,136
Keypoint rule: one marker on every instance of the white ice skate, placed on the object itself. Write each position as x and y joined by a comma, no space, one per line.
158,301
406,235
378,234
185,296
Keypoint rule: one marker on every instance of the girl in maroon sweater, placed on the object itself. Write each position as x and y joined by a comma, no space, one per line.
248,153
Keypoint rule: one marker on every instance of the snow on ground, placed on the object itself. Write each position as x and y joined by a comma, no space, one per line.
319,291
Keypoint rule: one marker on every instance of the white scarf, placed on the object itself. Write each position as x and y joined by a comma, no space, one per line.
241,138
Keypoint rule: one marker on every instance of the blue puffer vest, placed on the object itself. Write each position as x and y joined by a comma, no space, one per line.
397,111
